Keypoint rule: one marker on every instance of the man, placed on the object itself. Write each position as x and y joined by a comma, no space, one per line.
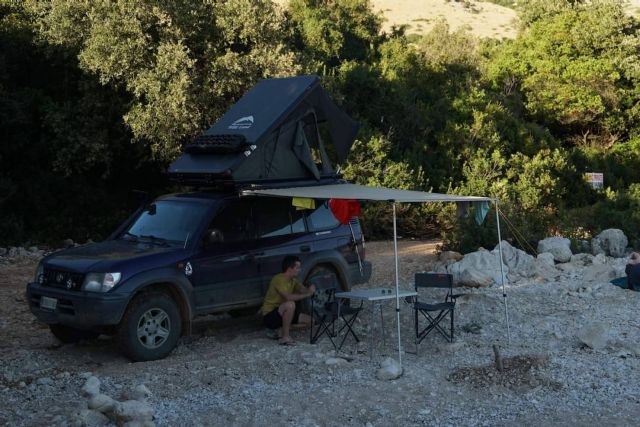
633,272
279,307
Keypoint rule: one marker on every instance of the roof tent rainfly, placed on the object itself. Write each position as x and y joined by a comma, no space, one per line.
361,192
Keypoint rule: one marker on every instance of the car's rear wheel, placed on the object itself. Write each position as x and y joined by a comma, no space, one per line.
150,327
67,334
324,277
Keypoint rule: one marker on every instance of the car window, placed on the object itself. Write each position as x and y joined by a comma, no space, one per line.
234,221
173,221
321,218
277,217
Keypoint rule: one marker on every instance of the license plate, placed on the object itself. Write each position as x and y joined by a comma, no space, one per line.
48,303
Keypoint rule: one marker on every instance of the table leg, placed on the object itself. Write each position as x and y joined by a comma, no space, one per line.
373,311
384,342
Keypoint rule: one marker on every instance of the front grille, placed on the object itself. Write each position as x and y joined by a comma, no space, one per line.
62,279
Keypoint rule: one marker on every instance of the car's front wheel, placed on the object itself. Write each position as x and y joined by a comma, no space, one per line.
67,334
150,327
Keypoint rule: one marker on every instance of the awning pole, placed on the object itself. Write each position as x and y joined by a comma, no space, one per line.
504,293
395,250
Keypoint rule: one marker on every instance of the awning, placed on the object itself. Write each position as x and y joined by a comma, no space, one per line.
363,192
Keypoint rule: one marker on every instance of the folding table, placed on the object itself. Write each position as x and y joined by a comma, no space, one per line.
375,296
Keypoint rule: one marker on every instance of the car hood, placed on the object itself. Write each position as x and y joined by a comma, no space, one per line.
113,255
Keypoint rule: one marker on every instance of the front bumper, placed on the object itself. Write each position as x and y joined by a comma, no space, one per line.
82,310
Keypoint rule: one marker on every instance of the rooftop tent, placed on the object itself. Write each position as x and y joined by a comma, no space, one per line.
275,132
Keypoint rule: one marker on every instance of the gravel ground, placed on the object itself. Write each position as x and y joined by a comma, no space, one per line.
228,373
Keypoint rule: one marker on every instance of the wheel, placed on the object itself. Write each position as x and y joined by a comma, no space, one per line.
67,334
324,278
150,327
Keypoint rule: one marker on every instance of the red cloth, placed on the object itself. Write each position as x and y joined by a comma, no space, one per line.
344,209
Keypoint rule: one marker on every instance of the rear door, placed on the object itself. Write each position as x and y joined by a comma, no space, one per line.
281,231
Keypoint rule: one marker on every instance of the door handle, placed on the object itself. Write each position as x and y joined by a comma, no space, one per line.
305,248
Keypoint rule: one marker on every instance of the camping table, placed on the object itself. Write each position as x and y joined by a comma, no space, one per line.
375,296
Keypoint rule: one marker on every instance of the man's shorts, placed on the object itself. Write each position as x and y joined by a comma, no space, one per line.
273,319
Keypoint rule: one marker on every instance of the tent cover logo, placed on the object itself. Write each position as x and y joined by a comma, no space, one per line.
242,123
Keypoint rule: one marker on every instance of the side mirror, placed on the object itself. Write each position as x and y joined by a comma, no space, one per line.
214,235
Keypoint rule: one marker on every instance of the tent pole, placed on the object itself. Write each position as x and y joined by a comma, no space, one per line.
395,251
504,293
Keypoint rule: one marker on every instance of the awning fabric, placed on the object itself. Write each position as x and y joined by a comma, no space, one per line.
362,192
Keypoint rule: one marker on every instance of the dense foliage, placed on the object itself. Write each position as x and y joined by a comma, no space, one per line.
97,97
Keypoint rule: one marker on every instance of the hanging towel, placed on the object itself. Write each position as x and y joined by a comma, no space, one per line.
303,203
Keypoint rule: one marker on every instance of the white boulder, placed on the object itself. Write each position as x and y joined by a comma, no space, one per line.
389,369
517,260
477,269
133,410
610,242
594,335
559,247
91,418
91,387
102,403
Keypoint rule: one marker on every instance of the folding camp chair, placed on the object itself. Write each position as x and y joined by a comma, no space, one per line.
325,311
435,312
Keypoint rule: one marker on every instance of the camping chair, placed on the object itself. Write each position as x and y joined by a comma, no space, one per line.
435,312
325,311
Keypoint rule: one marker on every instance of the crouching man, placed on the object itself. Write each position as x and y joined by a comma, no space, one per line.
279,308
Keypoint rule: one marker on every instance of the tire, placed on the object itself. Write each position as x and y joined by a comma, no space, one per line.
330,277
67,334
150,327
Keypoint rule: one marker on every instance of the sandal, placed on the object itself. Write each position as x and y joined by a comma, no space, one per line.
287,342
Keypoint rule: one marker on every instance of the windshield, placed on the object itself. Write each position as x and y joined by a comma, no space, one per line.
167,221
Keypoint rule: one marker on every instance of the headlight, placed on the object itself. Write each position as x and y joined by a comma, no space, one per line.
39,278
100,282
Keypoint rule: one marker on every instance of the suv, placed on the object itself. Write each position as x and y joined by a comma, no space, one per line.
186,255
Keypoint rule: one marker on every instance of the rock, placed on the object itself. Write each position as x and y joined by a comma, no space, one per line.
546,258
91,387
133,410
559,247
3,251
581,259
335,361
594,335
102,403
33,249
67,243
140,392
90,418
145,423
599,273
477,269
599,259
517,260
610,242
389,370
44,381
446,256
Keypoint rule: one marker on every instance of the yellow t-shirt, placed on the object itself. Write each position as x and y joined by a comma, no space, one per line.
273,299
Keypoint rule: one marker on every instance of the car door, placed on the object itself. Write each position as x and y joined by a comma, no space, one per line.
225,274
280,231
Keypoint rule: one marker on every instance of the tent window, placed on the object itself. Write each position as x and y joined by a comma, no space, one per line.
322,219
276,217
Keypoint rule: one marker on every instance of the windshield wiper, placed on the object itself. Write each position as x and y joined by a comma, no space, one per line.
133,237
156,240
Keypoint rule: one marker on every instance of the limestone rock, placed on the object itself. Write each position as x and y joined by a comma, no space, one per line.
448,256
133,410
91,387
594,335
477,269
91,418
546,258
517,260
389,370
559,247
140,392
599,273
610,242
102,403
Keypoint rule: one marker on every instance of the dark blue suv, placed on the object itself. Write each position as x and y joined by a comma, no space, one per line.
186,255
